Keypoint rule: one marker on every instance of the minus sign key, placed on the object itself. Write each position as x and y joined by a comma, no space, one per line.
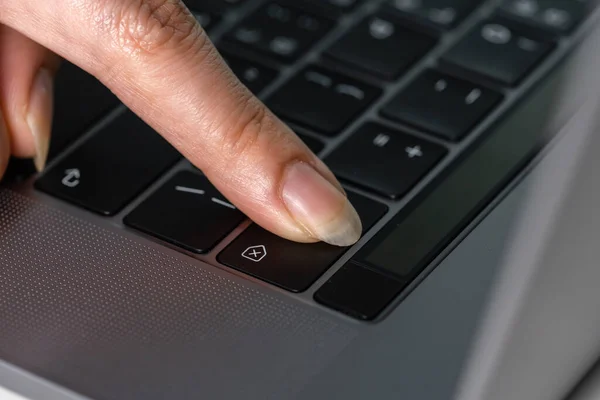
188,212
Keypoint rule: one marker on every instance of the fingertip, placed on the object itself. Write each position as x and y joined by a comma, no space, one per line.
322,209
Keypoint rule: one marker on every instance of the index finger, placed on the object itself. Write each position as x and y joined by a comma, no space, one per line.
158,60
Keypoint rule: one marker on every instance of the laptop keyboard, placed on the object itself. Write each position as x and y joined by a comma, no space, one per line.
348,76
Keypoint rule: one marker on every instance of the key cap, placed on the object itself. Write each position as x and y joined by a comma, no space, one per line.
314,144
290,265
210,12
281,31
79,101
359,292
557,17
255,76
385,161
322,100
381,46
437,15
188,212
18,170
335,8
442,105
498,52
107,171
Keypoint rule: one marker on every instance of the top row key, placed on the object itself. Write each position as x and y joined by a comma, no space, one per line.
437,15
281,31
556,17
336,7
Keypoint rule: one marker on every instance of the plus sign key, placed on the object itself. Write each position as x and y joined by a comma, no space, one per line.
383,160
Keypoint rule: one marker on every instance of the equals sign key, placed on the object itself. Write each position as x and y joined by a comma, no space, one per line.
188,212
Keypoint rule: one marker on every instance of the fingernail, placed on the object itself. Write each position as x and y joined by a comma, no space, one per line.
39,115
319,207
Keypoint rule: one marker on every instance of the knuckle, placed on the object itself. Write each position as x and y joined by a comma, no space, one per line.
246,135
150,27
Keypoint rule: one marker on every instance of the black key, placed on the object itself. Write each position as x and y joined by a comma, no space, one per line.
188,212
79,101
290,265
374,46
322,100
314,144
336,7
442,105
111,168
385,161
281,31
18,170
359,292
435,14
557,17
255,76
498,52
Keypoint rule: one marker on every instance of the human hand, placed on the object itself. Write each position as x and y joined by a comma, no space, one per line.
156,58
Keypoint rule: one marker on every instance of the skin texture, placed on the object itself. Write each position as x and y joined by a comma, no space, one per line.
156,58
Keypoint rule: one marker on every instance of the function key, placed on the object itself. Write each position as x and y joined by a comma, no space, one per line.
435,14
557,17
290,265
255,76
322,100
374,45
442,105
315,145
107,171
359,292
281,31
385,161
188,212
498,52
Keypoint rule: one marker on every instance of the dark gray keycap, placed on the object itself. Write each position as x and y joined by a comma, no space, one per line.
442,105
385,161
555,17
290,265
188,212
438,15
322,100
107,171
499,52
359,292
80,100
381,46
280,30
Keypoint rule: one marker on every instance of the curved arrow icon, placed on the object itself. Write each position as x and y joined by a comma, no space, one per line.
71,178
